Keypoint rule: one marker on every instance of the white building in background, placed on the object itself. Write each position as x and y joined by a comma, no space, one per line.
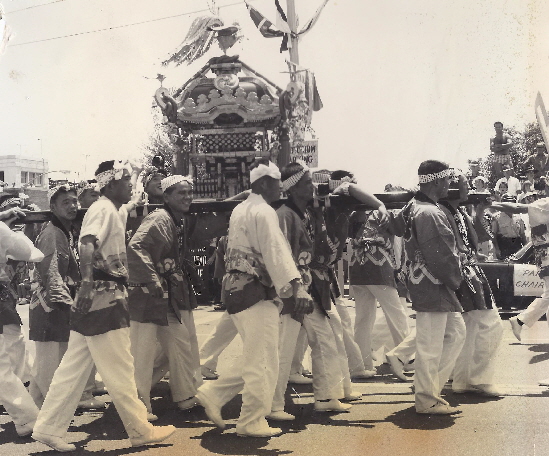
24,171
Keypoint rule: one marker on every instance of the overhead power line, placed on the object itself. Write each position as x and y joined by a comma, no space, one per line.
34,6
106,29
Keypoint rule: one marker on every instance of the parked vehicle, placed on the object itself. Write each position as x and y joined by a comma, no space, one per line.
514,281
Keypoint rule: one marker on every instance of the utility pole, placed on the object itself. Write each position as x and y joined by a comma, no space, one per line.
292,23
285,146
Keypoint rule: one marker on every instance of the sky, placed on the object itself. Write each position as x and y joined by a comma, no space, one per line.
401,81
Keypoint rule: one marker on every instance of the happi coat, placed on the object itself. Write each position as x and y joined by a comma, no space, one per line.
538,215
373,258
433,269
326,252
474,292
57,275
109,310
159,252
258,261
293,223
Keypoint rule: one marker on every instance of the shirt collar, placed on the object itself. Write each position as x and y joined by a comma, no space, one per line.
294,208
420,196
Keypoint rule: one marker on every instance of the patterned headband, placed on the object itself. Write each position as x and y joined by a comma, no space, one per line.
53,191
148,176
87,186
425,178
167,182
9,202
115,173
294,178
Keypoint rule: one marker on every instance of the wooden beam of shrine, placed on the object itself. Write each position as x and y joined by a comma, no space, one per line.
392,200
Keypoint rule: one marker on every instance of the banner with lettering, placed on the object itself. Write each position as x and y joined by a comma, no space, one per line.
306,151
526,280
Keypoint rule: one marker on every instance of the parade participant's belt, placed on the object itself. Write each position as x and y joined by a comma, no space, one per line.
98,274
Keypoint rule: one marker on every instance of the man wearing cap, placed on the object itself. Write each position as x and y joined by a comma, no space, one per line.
259,267
433,275
480,184
500,145
513,184
474,172
538,160
475,365
161,297
57,275
99,323
509,231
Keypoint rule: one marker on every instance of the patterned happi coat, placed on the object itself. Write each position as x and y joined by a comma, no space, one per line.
11,273
432,268
538,215
258,261
373,258
57,276
327,249
474,292
159,252
293,225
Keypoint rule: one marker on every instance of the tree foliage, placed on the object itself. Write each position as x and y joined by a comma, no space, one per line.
524,145
162,141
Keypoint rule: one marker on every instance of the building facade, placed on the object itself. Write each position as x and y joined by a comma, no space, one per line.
23,171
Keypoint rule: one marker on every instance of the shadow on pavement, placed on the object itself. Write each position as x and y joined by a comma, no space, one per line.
409,419
542,349
230,443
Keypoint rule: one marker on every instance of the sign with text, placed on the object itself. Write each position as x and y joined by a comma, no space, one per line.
526,280
306,151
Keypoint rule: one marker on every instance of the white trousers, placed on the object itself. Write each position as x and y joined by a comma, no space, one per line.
13,395
114,362
366,298
178,341
300,350
439,340
475,364
255,373
337,329
354,355
406,349
16,350
48,356
326,369
218,340
537,308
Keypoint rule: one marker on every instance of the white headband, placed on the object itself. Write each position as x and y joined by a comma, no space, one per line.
115,173
263,170
167,182
295,178
425,178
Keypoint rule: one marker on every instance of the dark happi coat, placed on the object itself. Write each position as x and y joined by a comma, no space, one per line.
159,252
57,276
433,269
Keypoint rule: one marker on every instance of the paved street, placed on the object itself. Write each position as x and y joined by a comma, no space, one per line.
382,423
